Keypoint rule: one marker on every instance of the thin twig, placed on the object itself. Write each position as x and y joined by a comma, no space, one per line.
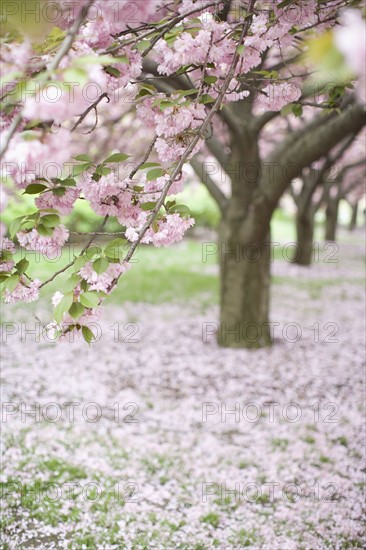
90,108
146,157
90,241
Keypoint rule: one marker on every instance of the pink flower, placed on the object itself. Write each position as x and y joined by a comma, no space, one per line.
60,100
169,152
56,298
106,196
23,292
63,203
34,155
131,234
171,229
128,71
155,187
8,246
102,282
49,246
279,95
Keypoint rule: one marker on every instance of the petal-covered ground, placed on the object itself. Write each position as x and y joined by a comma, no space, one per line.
155,437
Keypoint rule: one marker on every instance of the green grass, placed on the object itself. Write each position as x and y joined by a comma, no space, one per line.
212,519
243,538
185,272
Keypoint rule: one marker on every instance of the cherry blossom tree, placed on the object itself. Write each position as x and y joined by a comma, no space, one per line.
325,184
197,76
350,181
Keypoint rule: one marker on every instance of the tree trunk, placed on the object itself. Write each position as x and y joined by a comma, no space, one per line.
353,221
305,236
331,214
245,288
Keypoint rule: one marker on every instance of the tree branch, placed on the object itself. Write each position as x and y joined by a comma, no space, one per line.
303,148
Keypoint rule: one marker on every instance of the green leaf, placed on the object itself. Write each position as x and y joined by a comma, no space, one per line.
80,262
117,157
113,71
115,249
122,59
81,168
15,225
287,109
180,209
83,158
210,79
169,204
297,110
69,182
3,276
62,307
205,98
22,266
6,255
89,300
166,104
143,45
103,171
76,310
92,251
84,285
148,206
50,220
45,231
285,3
148,165
185,93
12,282
34,189
59,191
75,75
155,174
240,49
100,265
87,334
143,93
70,283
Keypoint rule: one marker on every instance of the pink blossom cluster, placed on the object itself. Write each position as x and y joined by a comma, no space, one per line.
108,196
64,97
156,186
24,292
8,246
102,282
49,246
108,18
210,45
171,229
174,126
63,203
275,96
35,154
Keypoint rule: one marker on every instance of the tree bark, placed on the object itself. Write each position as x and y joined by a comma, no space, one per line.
245,291
353,221
331,214
305,236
